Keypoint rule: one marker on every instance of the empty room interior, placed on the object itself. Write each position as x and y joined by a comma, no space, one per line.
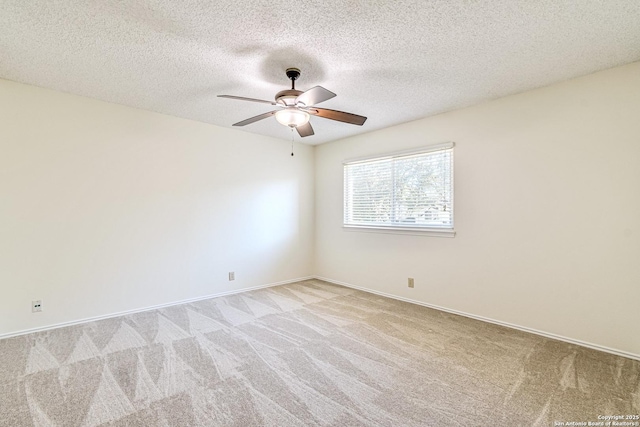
333,213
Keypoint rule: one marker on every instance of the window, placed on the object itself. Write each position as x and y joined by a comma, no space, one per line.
404,191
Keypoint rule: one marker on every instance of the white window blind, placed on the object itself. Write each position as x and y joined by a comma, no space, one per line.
401,191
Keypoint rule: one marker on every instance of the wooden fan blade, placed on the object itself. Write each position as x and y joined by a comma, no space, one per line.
340,116
254,119
305,130
242,98
314,96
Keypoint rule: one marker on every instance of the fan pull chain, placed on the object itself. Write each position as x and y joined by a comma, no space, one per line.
292,142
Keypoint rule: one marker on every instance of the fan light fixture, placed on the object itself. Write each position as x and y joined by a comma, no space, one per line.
292,117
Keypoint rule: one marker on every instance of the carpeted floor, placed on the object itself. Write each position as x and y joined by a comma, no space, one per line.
305,354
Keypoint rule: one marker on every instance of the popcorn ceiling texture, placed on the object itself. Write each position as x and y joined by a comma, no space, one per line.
393,61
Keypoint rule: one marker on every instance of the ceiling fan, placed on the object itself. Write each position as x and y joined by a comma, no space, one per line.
295,107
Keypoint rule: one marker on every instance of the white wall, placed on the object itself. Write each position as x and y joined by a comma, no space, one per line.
547,199
105,208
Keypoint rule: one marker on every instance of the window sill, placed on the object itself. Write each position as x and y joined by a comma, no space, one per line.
415,231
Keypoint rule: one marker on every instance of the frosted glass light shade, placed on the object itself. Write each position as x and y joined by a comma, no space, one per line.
292,117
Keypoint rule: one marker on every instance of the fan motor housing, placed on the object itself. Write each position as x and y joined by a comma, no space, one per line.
288,96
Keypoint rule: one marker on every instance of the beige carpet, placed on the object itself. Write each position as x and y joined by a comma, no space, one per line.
305,354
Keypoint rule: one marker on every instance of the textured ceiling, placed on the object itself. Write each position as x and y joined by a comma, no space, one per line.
393,61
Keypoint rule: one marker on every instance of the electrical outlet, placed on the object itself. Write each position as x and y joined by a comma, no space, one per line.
36,306
232,275
411,282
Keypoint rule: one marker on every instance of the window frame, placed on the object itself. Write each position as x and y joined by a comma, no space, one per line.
400,229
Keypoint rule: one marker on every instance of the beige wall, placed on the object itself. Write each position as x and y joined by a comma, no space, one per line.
547,212
105,208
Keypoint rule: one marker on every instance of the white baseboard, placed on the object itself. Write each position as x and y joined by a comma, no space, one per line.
488,320
152,307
